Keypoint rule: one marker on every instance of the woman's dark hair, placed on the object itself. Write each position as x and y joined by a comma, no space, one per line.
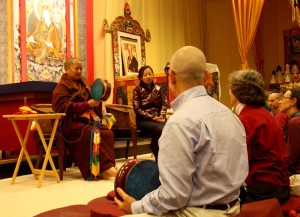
141,71
295,93
248,87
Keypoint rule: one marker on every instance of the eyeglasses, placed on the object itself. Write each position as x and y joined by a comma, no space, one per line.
167,67
285,97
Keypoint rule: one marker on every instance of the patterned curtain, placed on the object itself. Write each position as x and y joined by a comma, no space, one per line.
246,17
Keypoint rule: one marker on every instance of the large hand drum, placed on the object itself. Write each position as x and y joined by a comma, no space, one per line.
137,178
101,89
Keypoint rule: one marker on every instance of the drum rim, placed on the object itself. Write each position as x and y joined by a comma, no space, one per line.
106,89
134,163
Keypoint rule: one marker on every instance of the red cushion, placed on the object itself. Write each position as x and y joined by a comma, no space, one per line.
263,208
106,210
99,200
292,204
68,211
111,195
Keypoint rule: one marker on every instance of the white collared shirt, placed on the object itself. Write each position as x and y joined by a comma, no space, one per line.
202,156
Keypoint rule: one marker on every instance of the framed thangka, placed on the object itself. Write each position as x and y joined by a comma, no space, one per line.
292,46
130,51
45,32
129,54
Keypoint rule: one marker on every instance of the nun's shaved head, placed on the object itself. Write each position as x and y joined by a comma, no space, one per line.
189,64
70,61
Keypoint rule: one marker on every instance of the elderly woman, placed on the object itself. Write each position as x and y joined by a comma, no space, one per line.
72,96
150,105
268,175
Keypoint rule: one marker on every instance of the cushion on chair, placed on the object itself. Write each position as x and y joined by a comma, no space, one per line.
264,208
292,204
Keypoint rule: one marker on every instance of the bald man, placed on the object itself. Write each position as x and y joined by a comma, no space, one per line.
200,174
274,101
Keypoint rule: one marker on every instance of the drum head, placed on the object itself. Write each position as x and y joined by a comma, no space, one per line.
142,177
100,90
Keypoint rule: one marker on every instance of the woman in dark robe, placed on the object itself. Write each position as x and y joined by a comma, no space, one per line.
150,106
72,96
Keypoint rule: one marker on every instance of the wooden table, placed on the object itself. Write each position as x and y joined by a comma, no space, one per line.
47,147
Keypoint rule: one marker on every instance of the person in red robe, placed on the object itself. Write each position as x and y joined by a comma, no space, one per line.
268,175
274,101
72,96
290,105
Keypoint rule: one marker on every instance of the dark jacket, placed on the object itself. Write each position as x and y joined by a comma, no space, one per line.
149,102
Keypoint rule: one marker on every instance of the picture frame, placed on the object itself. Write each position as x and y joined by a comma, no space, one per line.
130,53
292,46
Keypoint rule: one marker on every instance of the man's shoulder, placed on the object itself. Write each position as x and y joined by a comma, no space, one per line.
281,116
295,120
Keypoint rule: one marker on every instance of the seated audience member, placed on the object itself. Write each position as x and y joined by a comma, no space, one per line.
150,105
268,176
72,96
202,157
290,104
274,101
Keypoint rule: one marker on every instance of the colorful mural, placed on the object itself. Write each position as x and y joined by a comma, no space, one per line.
45,39
40,36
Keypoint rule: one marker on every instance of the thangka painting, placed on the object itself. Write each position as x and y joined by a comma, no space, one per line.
212,81
292,46
45,40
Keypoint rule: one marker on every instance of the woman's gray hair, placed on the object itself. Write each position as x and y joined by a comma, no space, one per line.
248,87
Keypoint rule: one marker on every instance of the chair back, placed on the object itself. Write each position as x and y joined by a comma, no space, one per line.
42,108
46,125
124,115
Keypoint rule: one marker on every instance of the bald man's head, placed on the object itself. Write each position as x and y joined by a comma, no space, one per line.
274,100
189,64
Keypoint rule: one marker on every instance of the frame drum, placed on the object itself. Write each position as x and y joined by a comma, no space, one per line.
137,178
100,89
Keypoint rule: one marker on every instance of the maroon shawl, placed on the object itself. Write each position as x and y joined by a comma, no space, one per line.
65,94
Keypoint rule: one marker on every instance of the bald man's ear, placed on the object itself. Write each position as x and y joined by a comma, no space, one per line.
172,77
